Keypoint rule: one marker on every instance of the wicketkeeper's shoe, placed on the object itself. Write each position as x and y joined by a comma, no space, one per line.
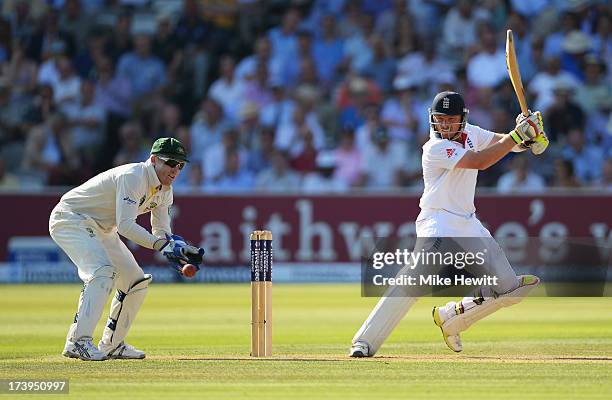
452,341
123,351
360,349
83,349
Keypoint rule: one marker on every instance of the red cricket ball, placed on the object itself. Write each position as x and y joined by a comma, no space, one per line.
189,270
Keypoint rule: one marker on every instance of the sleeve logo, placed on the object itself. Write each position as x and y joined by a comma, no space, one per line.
450,152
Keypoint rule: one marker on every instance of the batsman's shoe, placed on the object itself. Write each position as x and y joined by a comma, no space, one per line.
359,349
452,341
83,349
123,351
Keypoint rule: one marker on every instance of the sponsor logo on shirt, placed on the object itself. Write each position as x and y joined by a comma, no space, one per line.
469,142
142,199
129,201
90,231
450,152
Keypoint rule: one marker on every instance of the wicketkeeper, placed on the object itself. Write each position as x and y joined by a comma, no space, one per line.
452,157
86,224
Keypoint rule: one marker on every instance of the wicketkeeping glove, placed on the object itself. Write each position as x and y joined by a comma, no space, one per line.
177,251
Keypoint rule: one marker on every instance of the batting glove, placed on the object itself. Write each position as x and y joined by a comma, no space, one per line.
528,129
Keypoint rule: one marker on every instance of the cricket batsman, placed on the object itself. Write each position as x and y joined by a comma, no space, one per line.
451,159
86,224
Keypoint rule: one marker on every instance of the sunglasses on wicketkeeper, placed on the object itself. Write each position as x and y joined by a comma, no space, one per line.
172,163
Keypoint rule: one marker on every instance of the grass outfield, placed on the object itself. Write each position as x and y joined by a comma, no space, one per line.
197,343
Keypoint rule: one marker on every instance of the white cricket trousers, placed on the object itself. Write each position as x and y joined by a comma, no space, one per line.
390,310
90,248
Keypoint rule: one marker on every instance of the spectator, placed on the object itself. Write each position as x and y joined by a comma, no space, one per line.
75,21
398,111
422,68
190,177
8,181
602,38
233,177
353,96
41,107
207,129
564,114
596,87
246,68
257,90
113,91
278,177
48,71
553,44
305,161
280,109
328,51
227,90
586,159
5,40
50,154
358,51
68,85
215,158
576,45
145,72
564,175
167,121
194,33
86,120
291,136
488,67
292,69
388,20
383,163
132,149
284,39
21,72
50,33
22,15
459,29
520,179
87,58
348,158
606,176
383,65
542,86
323,180
165,43
120,41
10,115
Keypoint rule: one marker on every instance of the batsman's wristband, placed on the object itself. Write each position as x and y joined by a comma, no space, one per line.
515,136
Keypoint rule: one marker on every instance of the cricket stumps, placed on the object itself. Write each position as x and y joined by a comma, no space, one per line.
261,294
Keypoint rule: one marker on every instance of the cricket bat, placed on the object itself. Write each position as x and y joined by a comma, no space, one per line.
541,141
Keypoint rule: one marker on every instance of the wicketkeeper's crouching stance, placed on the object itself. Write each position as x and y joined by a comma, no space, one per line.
451,159
86,224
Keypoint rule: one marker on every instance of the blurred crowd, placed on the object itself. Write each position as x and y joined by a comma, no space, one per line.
320,96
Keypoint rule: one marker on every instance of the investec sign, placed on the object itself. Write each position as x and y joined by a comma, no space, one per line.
324,229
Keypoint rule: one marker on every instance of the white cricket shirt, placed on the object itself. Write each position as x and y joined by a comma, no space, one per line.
114,198
446,187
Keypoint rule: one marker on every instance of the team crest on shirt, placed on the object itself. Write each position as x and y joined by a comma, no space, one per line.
450,152
151,205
